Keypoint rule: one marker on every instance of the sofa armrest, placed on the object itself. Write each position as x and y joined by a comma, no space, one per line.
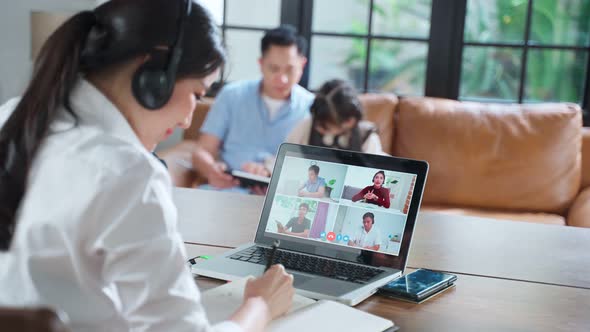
585,157
179,161
579,213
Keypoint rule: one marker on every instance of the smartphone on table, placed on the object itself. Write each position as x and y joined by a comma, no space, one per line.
418,285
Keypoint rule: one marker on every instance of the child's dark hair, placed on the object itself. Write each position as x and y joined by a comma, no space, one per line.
336,102
285,35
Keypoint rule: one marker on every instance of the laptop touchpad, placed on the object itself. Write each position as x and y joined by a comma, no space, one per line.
299,279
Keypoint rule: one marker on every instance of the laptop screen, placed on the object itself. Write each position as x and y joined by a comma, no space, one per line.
342,204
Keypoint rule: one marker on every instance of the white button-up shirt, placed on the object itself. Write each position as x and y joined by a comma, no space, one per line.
96,233
362,238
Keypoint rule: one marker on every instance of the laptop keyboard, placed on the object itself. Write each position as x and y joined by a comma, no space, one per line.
310,264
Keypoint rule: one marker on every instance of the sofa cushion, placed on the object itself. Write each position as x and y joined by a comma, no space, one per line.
520,157
579,213
542,218
199,116
380,109
585,157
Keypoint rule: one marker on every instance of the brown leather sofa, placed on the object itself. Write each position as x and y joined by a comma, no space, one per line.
517,162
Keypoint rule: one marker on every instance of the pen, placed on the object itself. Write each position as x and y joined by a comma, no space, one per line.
275,246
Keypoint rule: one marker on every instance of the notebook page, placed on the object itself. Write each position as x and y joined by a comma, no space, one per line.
221,302
327,315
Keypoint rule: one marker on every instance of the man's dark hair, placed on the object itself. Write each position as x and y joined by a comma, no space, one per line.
370,215
305,205
285,35
315,169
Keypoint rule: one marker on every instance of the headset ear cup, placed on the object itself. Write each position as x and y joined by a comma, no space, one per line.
151,87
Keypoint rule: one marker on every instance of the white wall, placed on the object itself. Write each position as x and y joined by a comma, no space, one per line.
295,173
15,53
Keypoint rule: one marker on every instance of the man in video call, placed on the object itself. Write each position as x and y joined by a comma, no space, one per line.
315,186
299,226
367,237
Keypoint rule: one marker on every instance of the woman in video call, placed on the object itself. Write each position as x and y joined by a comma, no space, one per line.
368,237
88,226
375,194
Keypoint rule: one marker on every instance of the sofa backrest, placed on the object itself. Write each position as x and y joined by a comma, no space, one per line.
199,116
379,109
522,157
585,157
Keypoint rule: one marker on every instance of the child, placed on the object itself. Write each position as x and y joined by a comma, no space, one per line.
336,121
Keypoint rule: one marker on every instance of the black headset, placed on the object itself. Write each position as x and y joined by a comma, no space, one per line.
153,85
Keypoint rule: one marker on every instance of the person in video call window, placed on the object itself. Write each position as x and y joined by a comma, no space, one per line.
375,194
299,225
367,237
315,186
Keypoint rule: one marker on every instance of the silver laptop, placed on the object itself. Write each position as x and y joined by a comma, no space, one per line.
344,220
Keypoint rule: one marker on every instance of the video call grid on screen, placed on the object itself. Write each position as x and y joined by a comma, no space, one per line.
340,214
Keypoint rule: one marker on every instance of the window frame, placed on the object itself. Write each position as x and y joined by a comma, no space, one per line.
445,47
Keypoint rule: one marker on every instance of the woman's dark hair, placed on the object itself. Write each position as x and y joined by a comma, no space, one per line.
369,215
91,41
380,172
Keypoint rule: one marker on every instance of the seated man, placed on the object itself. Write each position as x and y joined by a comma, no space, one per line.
250,119
315,186
367,237
299,225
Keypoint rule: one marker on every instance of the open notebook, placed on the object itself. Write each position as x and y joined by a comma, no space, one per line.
305,313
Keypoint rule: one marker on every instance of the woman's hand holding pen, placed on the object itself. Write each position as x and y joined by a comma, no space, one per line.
275,287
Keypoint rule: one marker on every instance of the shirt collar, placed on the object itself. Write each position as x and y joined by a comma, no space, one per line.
289,100
94,109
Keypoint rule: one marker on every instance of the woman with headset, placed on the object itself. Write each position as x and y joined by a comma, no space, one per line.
375,194
87,222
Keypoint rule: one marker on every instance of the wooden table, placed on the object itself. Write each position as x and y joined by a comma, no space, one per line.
513,276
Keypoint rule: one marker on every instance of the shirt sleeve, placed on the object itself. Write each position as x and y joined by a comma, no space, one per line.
360,195
289,224
373,145
300,134
378,239
218,119
385,199
143,257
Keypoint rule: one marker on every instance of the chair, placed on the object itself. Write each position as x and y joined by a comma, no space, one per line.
31,319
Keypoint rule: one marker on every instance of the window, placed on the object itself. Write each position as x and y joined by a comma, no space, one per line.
378,45
243,24
525,51
486,50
